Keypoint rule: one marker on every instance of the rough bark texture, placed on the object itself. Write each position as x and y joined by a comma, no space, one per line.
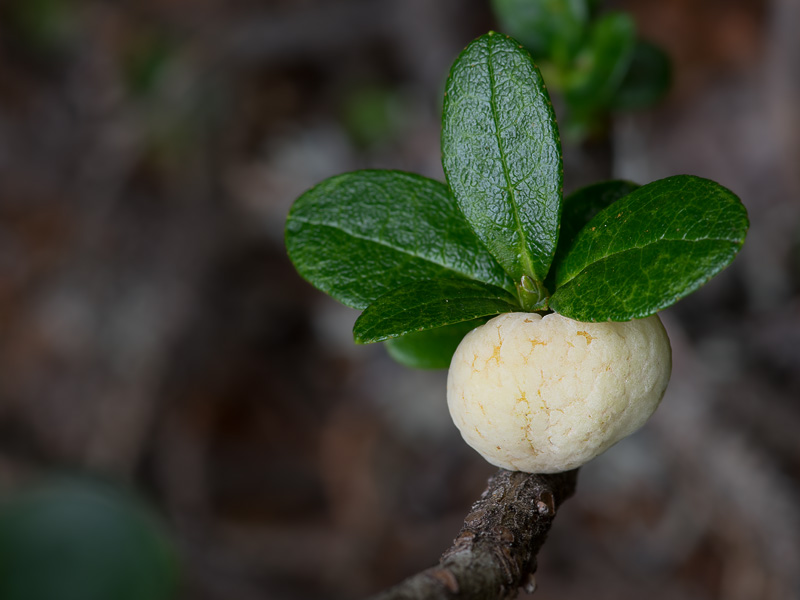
495,552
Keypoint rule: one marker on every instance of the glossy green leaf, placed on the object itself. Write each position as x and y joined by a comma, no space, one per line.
432,348
648,78
649,249
581,206
74,540
602,63
548,28
359,235
429,304
502,155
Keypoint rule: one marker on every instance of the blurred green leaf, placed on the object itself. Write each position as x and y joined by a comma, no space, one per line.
372,114
550,29
82,541
501,153
601,64
432,348
648,78
429,304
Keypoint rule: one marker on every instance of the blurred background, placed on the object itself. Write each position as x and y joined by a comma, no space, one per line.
154,335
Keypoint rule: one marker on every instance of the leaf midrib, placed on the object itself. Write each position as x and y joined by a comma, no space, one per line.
631,248
395,248
527,266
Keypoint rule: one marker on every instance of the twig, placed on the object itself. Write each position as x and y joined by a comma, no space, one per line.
495,552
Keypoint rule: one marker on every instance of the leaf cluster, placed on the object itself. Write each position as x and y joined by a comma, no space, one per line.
596,61
428,261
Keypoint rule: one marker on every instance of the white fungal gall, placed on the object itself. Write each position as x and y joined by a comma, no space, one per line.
548,394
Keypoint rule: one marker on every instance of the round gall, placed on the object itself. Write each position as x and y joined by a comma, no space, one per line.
547,394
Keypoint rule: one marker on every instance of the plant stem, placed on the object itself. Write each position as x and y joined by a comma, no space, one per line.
532,294
495,552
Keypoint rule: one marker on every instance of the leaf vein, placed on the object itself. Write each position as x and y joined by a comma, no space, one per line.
510,188
383,243
642,247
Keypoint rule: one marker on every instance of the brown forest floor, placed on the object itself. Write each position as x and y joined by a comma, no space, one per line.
152,328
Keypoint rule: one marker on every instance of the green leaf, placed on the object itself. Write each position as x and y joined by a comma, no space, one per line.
79,540
648,78
502,155
359,235
649,249
432,348
429,304
581,206
548,28
601,64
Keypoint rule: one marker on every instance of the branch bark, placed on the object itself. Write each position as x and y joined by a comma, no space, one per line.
495,552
